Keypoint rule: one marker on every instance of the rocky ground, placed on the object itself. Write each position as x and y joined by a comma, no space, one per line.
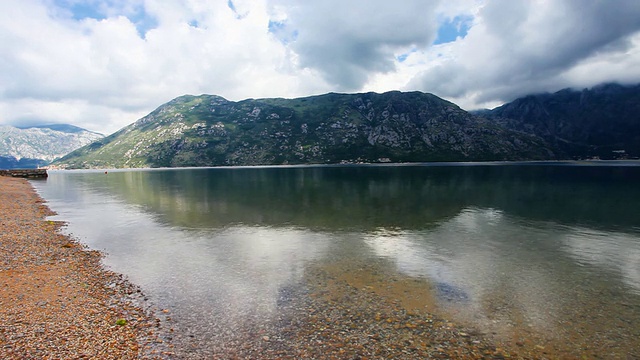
58,302
333,314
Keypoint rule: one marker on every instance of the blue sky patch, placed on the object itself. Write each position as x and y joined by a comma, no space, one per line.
276,26
81,10
280,30
232,6
402,58
143,22
451,29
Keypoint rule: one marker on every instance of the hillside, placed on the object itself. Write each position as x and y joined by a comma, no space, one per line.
39,145
209,130
603,121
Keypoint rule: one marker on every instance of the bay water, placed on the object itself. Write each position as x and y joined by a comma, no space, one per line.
548,252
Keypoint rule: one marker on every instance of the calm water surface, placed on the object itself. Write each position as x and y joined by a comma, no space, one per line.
549,252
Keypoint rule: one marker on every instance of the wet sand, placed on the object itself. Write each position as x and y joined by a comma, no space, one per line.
58,302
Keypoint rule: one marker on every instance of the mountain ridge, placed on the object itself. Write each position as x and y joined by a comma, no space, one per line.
35,146
66,128
602,121
208,130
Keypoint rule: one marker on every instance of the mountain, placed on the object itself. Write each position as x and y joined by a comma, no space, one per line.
603,121
36,146
58,127
209,130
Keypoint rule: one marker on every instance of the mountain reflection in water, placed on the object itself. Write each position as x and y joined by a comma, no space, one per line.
524,248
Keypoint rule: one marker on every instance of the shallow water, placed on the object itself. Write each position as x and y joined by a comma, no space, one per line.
546,254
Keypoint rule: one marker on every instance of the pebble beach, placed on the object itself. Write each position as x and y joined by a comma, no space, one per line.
59,302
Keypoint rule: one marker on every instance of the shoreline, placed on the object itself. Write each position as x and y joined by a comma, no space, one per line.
57,300
566,162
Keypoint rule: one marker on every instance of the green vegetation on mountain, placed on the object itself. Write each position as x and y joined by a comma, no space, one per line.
209,130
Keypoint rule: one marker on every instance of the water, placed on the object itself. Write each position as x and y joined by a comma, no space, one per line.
545,252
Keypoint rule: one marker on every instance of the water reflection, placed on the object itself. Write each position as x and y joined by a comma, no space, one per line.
531,248
211,279
486,261
507,274
365,198
612,251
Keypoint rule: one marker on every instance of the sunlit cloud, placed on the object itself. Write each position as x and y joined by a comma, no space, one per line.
119,58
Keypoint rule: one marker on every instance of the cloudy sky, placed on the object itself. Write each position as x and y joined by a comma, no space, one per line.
102,64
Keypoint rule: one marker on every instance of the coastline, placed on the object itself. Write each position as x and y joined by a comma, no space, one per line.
57,300
564,162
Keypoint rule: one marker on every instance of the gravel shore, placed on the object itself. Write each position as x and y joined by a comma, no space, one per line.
57,301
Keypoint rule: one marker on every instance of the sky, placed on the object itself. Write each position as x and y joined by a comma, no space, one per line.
102,65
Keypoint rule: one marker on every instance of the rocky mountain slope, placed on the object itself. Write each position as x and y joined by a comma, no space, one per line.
37,146
209,130
603,121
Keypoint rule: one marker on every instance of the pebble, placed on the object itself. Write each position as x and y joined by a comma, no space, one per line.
58,302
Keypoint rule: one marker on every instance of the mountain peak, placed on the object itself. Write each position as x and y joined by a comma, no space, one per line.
38,145
65,128
601,121
208,130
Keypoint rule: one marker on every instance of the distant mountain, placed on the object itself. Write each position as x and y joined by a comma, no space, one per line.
36,146
66,128
603,121
209,130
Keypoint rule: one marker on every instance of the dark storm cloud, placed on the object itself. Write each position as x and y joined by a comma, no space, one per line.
347,41
519,47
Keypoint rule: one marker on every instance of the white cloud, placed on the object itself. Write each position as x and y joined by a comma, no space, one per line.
349,41
519,47
93,116
101,64
106,68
